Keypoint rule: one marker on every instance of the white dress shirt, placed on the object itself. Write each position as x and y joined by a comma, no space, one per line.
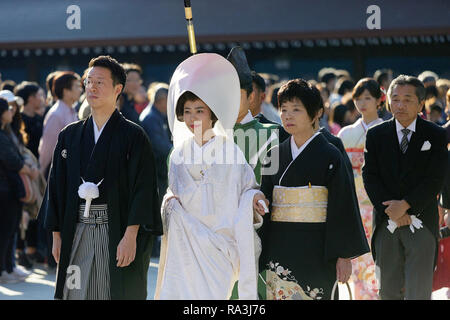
399,128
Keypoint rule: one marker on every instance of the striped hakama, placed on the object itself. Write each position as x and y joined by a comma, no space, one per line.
90,253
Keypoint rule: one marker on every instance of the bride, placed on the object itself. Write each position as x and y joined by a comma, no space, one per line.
211,209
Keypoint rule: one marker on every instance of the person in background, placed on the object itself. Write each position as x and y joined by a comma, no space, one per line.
367,96
343,86
443,85
428,78
67,90
328,77
134,82
154,122
8,85
347,100
339,118
256,101
140,100
33,98
11,190
51,98
384,79
436,114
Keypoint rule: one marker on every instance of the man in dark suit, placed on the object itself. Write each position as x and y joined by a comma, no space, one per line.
405,164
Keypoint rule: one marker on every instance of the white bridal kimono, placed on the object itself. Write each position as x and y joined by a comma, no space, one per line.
209,238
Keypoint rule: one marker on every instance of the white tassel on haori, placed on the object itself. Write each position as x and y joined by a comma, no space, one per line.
88,191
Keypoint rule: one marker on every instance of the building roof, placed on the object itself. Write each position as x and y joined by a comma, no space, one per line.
31,21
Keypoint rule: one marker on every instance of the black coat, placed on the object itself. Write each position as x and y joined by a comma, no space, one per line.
10,163
417,176
132,199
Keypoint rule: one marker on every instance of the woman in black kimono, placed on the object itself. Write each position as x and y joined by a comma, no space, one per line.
314,228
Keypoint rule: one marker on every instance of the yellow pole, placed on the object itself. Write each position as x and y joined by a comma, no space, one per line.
190,26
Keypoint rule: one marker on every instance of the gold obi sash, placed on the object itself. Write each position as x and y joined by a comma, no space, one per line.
299,204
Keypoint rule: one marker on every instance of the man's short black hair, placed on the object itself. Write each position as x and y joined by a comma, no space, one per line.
64,80
403,80
302,90
8,85
258,81
326,74
49,81
344,85
381,75
26,89
118,74
129,67
431,91
436,107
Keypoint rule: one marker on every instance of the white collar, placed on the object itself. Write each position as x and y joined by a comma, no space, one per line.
371,124
411,127
247,118
296,151
98,132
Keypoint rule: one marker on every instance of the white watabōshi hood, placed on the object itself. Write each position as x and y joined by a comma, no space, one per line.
213,79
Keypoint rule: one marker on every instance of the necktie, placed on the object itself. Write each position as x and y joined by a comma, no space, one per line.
404,142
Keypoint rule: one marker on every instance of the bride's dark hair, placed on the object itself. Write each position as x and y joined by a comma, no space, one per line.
189,96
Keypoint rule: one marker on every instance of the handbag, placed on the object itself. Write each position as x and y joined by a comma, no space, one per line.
334,290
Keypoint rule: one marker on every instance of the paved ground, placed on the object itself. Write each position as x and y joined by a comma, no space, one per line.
41,285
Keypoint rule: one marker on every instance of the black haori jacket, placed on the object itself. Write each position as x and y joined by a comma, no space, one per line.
132,198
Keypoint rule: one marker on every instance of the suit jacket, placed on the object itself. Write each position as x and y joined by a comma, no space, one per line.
416,176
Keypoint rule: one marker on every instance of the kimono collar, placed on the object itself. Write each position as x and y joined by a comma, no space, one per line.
98,132
248,117
371,124
296,151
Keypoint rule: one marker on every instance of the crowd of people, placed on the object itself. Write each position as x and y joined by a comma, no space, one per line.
331,135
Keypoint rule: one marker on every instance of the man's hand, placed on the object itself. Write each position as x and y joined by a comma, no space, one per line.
396,208
343,269
56,248
126,250
404,220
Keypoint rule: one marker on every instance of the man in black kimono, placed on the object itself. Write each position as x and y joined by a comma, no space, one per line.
103,251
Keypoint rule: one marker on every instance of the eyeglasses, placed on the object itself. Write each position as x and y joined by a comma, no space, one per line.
88,83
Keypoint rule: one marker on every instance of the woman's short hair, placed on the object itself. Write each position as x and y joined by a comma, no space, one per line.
185,97
300,89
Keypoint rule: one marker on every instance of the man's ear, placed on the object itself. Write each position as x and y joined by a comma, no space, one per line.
118,88
320,113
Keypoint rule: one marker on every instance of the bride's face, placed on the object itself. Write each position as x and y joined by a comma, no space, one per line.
197,116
